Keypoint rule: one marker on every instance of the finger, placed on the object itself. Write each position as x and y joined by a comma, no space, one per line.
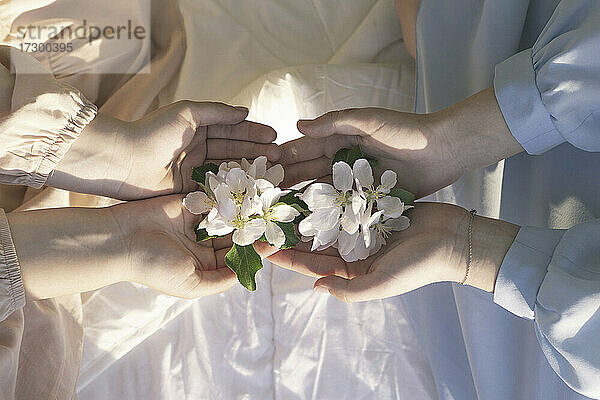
246,131
306,170
236,149
342,122
264,249
311,264
209,113
366,287
305,148
222,243
212,282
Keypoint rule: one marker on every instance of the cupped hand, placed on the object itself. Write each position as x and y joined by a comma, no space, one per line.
155,155
405,143
427,151
433,249
163,253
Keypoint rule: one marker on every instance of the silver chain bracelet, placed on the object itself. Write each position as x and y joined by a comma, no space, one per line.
470,259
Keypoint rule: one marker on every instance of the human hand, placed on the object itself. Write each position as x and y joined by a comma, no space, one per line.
155,155
427,151
433,249
73,250
162,251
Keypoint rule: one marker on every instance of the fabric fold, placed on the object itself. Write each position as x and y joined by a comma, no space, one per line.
12,293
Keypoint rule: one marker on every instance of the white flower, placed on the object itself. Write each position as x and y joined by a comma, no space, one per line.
327,202
246,230
198,203
258,170
273,212
356,246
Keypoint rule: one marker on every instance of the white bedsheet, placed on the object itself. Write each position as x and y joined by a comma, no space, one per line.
284,59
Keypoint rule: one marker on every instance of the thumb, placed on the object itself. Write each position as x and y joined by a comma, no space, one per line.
209,113
361,288
342,122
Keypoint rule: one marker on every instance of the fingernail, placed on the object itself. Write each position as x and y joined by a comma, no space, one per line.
321,290
304,123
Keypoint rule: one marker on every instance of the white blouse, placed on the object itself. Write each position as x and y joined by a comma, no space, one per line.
550,94
40,119
536,337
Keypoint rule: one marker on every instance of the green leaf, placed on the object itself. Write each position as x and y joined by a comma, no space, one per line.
350,155
199,173
202,235
245,262
291,200
291,239
404,195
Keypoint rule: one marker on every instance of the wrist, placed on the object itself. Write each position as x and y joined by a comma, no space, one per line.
99,161
490,241
475,132
66,251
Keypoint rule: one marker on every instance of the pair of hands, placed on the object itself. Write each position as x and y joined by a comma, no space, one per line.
427,152
154,157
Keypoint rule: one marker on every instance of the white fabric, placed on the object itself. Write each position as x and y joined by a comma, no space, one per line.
45,118
12,294
478,350
282,341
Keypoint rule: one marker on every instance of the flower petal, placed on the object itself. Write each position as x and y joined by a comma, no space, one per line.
269,198
250,233
361,250
274,234
388,180
219,227
197,203
284,213
324,219
263,184
306,227
258,168
203,224
302,185
212,180
392,206
245,164
342,176
363,172
350,221
227,209
347,241
318,189
397,224
237,180
275,174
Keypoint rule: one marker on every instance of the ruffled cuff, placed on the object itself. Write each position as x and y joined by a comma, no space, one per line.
12,293
60,142
524,268
521,104
46,118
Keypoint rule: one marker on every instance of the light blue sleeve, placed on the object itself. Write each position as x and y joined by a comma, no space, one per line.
553,277
550,94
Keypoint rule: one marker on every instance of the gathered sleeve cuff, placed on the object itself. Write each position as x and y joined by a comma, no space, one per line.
549,94
12,293
46,117
521,105
553,277
524,268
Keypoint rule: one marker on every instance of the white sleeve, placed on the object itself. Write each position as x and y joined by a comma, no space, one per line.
550,94
45,118
553,277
